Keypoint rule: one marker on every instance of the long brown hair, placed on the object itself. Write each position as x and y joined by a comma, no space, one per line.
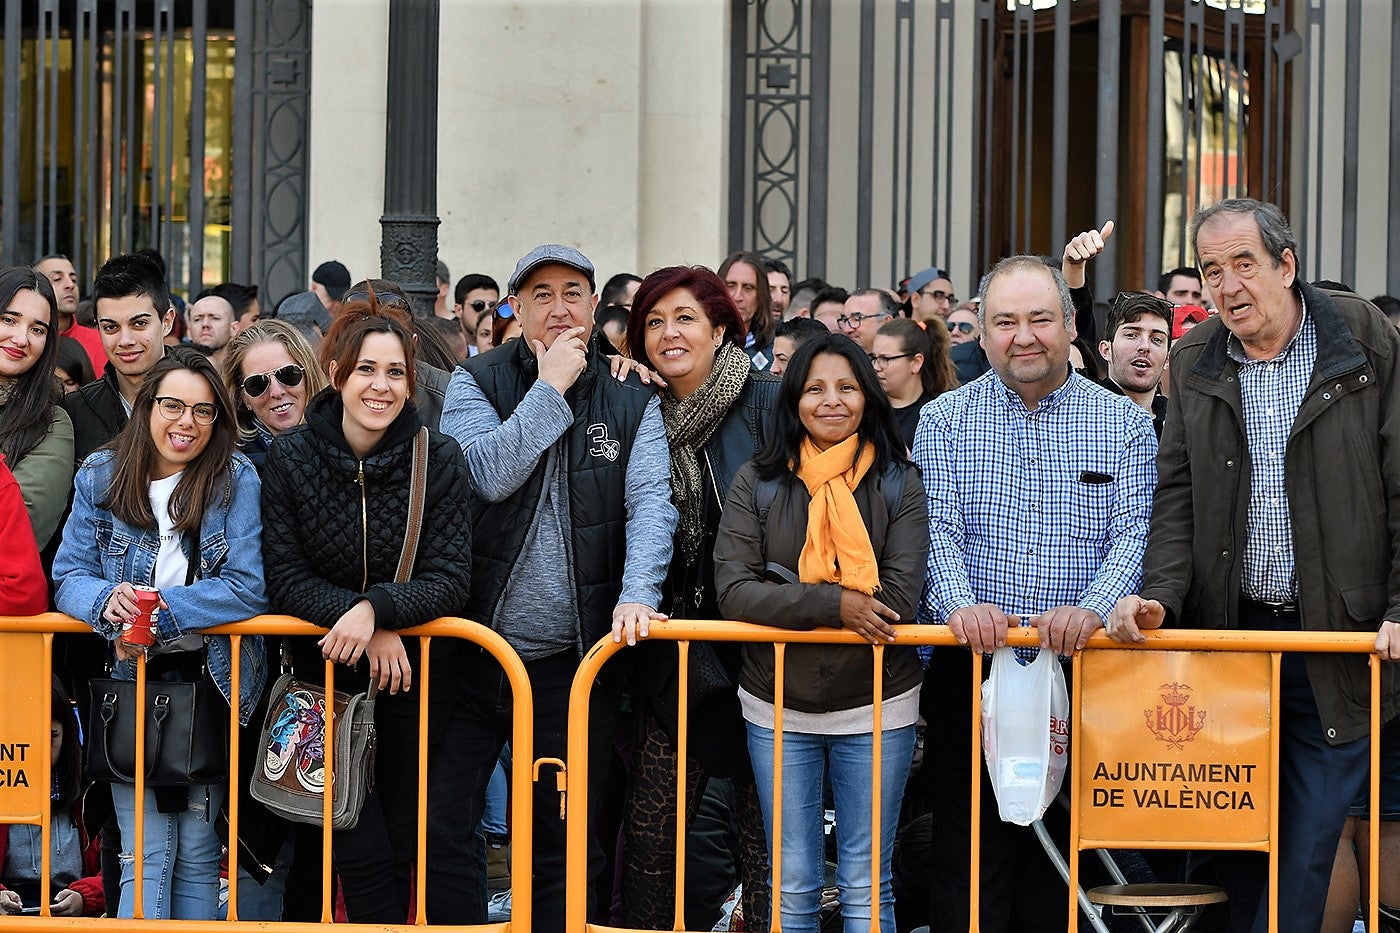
761,324
356,321
938,374
204,481
27,417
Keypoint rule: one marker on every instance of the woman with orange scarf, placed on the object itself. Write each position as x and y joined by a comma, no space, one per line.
828,526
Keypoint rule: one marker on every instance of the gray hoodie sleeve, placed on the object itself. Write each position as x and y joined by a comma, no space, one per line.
501,455
651,515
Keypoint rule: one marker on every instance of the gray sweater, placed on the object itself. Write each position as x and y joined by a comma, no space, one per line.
537,613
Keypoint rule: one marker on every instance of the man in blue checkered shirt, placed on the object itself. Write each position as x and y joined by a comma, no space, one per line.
1277,508
1040,488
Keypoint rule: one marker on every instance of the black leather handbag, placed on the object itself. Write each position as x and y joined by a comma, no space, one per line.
186,732
186,721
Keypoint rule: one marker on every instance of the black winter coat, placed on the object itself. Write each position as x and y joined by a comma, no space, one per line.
97,414
323,551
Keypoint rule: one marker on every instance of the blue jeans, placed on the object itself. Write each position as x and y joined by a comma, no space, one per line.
493,819
264,901
181,851
808,759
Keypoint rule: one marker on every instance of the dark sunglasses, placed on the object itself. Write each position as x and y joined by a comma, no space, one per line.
287,376
959,327
387,299
480,306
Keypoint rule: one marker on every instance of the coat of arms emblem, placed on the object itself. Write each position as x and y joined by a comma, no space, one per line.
1173,721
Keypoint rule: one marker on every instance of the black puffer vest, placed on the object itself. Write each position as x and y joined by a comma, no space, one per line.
598,445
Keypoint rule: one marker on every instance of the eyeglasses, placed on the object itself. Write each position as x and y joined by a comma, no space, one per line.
288,376
481,307
855,319
172,409
880,361
960,327
949,297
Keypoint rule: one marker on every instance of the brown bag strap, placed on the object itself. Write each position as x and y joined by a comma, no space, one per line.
418,490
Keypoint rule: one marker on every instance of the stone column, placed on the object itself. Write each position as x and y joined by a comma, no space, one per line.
408,247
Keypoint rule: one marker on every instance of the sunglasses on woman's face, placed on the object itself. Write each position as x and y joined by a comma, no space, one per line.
959,327
287,376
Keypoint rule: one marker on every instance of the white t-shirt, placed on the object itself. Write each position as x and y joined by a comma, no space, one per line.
172,566
171,563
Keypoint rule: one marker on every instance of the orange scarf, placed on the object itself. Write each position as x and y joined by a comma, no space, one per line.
837,549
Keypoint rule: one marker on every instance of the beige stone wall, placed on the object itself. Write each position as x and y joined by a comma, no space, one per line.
596,124
349,71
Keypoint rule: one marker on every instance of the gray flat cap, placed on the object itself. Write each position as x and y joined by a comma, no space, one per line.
546,254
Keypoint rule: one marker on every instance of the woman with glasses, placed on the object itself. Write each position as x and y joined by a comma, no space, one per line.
912,363
827,528
36,435
170,504
336,496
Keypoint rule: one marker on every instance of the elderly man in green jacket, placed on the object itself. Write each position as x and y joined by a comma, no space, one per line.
1278,508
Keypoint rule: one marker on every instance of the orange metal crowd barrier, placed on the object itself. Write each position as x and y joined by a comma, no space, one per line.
684,632
26,644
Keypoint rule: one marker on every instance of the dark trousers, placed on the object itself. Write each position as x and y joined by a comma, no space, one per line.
1317,782
1019,889
376,859
487,707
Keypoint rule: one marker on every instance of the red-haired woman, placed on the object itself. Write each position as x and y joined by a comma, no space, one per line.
335,510
686,327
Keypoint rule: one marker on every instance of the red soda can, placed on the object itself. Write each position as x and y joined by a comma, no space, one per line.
141,630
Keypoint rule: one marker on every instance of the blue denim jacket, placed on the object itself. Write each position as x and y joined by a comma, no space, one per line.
99,551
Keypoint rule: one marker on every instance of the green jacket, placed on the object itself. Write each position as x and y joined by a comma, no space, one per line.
1342,473
45,477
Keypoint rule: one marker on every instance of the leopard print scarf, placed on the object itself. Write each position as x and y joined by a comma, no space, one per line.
690,423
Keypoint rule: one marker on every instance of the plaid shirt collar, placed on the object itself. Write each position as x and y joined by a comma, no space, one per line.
1015,406
1235,348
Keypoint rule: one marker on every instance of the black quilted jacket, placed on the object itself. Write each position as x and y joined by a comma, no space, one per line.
319,560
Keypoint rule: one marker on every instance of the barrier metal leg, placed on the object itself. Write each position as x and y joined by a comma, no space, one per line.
1053,852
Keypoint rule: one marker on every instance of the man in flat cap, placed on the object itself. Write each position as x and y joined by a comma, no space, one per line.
573,534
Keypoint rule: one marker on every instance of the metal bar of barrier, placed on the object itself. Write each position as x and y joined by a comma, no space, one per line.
682,779
420,890
45,769
328,797
684,631
234,714
1373,865
775,858
522,739
1275,743
1272,642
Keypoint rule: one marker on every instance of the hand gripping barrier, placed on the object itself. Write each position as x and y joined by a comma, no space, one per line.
26,663
1175,642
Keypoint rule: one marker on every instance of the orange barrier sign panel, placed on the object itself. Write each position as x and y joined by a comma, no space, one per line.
1174,748
24,727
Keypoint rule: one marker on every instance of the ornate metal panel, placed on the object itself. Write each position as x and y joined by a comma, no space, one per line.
270,137
847,162
116,136
772,75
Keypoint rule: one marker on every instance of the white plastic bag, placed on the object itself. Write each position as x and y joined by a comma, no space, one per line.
1025,733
